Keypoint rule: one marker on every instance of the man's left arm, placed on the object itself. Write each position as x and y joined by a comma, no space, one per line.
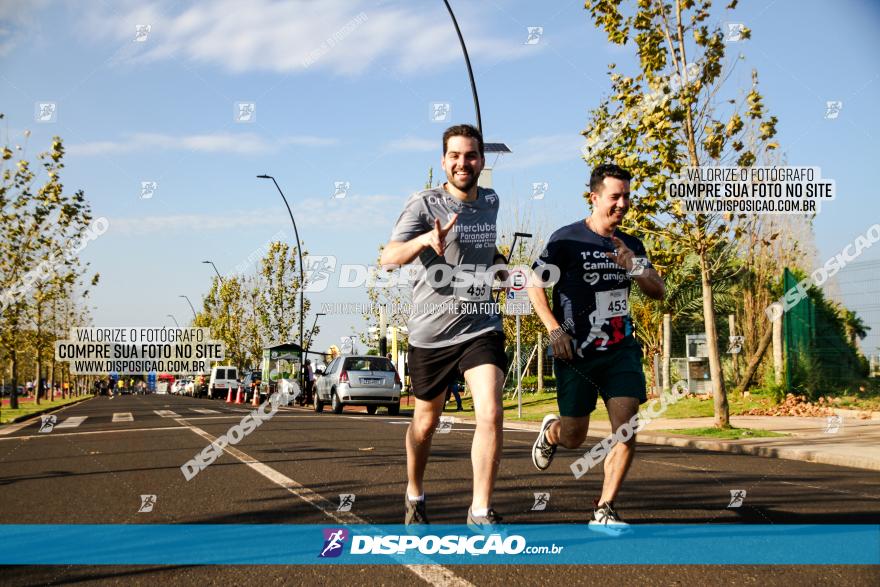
498,259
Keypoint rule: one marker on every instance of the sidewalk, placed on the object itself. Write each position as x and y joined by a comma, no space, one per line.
855,444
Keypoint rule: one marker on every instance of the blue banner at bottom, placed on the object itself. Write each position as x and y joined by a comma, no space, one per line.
243,544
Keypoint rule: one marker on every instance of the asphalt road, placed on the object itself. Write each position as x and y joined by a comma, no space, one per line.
92,469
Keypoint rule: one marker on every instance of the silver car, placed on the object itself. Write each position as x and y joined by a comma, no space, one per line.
359,381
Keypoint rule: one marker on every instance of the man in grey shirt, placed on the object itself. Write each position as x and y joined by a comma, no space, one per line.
455,327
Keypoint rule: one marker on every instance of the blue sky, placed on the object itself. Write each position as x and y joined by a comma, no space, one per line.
163,110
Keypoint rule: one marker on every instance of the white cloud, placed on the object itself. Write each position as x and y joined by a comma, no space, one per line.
18,21
343,36
370,211
239,143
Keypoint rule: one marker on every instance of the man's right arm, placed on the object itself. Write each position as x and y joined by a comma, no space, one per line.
559,338
398,253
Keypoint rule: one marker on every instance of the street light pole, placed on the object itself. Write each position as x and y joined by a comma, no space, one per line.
191,307
228,319
517,235
175,320
211,263
301,274
467,61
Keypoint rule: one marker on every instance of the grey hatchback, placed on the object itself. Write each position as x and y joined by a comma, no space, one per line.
359,381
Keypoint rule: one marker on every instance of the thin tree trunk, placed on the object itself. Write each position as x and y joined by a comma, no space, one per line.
722,410
13,399
667,351
756,359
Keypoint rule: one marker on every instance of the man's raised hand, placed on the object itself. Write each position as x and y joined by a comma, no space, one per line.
436,239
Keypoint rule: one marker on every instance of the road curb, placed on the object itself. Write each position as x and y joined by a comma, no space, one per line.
791,454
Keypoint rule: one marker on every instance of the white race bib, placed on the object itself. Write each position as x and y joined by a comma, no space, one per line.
611,303
475,287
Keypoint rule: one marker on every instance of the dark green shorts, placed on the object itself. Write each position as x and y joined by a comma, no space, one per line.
614,373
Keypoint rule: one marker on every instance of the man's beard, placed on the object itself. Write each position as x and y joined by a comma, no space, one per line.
468,185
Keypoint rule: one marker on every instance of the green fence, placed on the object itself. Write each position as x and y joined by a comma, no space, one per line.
817,357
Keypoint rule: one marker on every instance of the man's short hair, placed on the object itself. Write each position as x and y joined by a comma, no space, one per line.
463,130
607,170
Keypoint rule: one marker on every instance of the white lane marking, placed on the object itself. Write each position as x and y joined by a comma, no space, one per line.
204,411
71,422
468,429
123,417
54,434
10,428
166,413
432,574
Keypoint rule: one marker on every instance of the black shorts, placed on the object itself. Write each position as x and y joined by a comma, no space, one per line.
432,371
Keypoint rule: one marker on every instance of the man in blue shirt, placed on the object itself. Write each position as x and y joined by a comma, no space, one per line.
591,330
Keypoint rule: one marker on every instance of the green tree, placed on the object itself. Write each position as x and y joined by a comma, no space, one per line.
670,116
39,231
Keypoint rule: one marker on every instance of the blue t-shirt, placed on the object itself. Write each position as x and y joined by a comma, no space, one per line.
591,298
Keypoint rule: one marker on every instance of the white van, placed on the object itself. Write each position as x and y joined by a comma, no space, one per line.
223,378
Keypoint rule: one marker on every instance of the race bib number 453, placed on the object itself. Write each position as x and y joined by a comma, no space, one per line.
612,303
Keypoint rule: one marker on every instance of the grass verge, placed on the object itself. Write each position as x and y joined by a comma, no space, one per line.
8,415
725,433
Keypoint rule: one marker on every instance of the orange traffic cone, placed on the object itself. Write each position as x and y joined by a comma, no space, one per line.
256,400
238,398
229,396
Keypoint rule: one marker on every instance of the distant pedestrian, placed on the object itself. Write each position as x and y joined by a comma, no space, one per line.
455,391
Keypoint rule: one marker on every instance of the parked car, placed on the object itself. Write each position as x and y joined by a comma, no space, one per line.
251,383
359,381
223,378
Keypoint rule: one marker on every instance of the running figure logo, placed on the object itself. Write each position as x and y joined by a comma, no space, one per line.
736,32
539,190
833,424
735,345
832,109
317,270
47,423
444,426
534,35
245,112
737,496
639,266
541,501
340,189
334,539
440,112
142,32
147,503
46,112
148,188
346,500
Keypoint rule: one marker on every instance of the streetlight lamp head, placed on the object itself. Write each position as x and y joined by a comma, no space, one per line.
264,176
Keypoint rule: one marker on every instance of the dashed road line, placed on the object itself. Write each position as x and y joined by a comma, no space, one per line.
166,413
71,422
117,431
